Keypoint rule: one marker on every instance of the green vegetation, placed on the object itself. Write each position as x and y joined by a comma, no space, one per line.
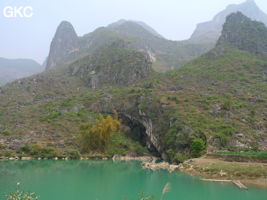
177,157
97,134
103,135
121,144
198,147
224,132
217,100
51,116
6,132
108,66
212,101
39,152
36,151
248,35
236,171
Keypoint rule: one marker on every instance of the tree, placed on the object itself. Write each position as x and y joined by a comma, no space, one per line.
198,147
95,135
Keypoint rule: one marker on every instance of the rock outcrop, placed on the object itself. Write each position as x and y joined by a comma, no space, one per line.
242,33
64,46
112,66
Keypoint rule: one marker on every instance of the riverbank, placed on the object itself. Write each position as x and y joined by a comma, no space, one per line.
218,170
145,158
209,169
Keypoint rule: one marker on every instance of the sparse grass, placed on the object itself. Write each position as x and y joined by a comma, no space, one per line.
218,169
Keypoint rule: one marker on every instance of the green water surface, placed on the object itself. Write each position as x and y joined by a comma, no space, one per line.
107,180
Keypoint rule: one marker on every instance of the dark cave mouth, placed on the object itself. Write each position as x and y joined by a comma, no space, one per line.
137,132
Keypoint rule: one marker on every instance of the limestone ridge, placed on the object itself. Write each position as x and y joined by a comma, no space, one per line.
211,30
63,46
66,46
165,54
245,34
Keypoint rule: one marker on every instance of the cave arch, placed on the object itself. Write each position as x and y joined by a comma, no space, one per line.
141,130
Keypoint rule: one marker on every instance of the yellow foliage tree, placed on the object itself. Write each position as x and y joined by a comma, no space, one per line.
95,135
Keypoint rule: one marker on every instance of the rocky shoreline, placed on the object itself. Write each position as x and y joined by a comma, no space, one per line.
161,165
135,158
148,162
32,158
114,158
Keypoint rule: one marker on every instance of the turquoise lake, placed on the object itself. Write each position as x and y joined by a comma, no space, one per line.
107,180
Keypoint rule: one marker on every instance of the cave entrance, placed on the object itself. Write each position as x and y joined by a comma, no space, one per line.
137,132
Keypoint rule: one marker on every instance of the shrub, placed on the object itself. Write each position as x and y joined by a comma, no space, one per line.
175,157
227,105
25,148
177,137
73,154
226,129
223,139
51,116
37,151
173,98
6,132
95,135
198,147
224,132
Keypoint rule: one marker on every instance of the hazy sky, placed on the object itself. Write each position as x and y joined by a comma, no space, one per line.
31,37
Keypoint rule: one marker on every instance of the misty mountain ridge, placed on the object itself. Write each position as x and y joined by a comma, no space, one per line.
143,24
164,54
12,69
211,30
66,46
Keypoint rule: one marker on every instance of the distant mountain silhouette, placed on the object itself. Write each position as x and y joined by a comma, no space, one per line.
12,69
211,30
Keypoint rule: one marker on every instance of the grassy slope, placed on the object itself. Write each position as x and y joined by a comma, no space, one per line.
224,87
214,97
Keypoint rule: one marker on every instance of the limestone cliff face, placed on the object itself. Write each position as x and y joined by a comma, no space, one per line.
211,30
245,34
64,45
